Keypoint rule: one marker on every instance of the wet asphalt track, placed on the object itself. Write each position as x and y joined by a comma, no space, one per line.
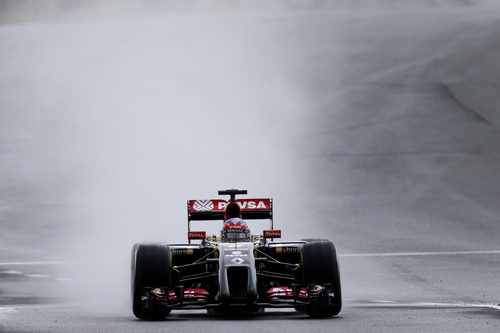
400,142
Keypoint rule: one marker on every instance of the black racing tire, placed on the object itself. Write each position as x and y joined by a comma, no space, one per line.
319,258
150,268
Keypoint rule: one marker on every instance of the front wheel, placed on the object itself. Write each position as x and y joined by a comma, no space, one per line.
320,268
150,268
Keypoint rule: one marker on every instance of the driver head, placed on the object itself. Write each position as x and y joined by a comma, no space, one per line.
234,230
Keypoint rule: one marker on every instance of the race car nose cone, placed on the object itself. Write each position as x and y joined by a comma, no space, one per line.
237,261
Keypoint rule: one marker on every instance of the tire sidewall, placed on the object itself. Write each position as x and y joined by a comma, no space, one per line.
320,266
150,268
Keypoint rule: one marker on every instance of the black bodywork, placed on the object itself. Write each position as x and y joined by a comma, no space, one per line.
237,275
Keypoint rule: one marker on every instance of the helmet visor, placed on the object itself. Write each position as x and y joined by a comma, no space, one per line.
235,234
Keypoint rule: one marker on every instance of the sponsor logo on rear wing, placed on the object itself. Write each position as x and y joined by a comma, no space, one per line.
260,208
220,205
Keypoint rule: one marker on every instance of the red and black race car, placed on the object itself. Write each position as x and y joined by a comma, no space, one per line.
236,270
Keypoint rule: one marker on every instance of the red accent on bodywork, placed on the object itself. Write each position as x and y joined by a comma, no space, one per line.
286,292
189,294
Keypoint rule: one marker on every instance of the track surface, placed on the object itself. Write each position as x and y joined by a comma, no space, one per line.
395,153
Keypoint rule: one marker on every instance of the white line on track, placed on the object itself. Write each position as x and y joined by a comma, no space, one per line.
403,254
382,254
395,304
37,275
11,272
8,309
29,263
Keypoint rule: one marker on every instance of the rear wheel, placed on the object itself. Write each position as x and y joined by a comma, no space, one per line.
321,269
150,268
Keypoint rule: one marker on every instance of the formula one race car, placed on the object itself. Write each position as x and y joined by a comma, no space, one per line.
236,270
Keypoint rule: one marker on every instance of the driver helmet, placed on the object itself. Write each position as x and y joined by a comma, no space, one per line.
235,229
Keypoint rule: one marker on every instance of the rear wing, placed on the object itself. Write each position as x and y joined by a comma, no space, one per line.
214,209
252,209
